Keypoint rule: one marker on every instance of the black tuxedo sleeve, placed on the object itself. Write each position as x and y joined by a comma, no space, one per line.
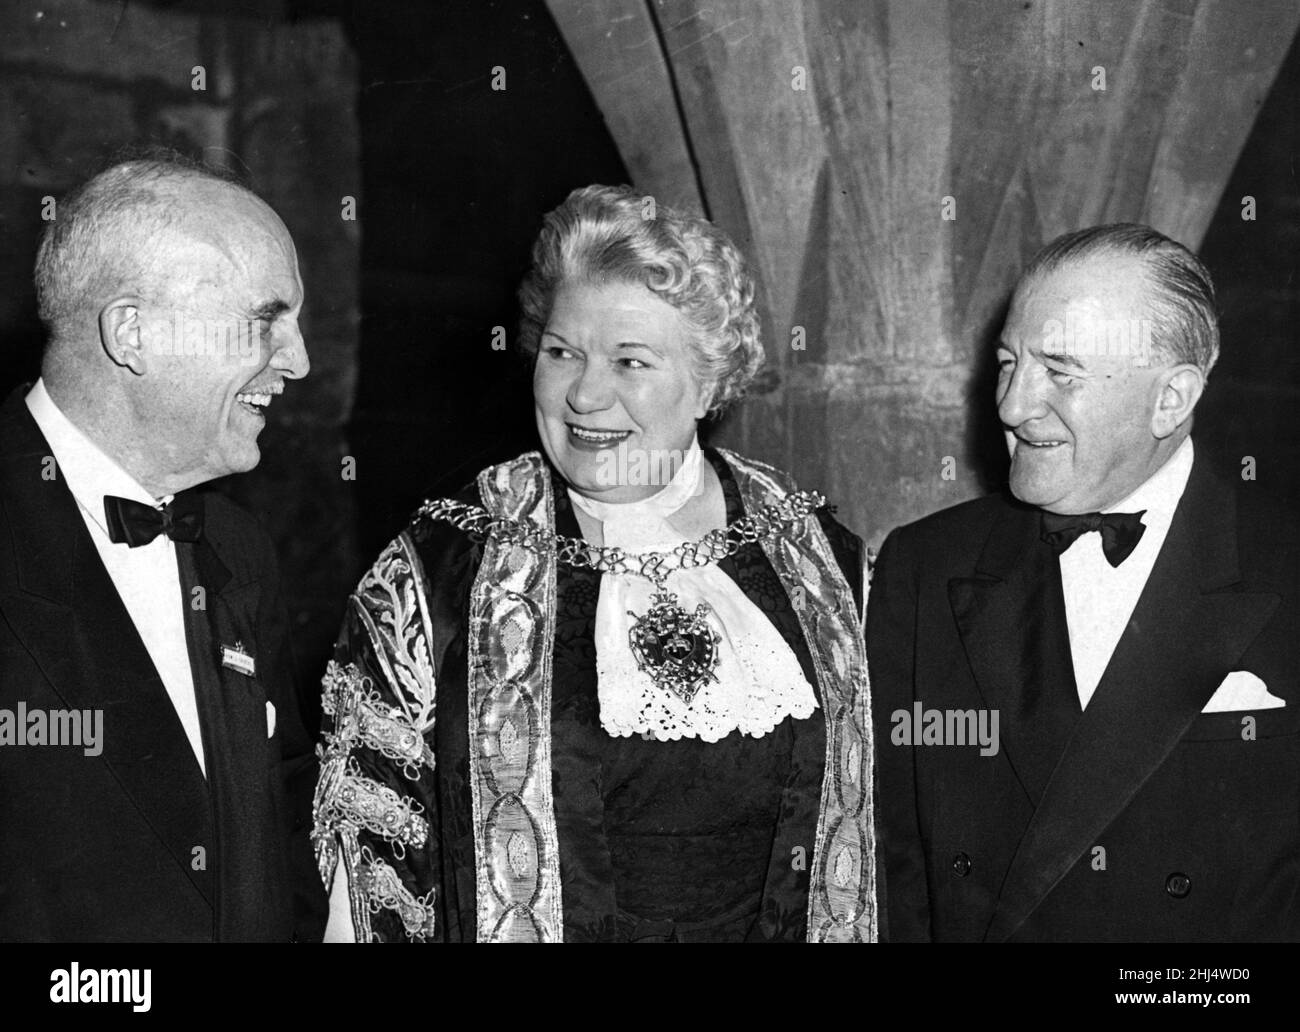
891,644
298,766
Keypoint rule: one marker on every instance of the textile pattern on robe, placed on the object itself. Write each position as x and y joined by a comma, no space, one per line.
684,840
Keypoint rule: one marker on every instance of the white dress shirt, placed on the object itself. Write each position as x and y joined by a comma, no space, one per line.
1100,598
147,578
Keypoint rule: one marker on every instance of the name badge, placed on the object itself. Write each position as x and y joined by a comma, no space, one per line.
238,660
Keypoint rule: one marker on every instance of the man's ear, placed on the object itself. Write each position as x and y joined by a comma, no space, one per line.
1180,389
122,335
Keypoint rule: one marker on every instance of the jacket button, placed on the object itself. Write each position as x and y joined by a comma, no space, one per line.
961,865
1178,885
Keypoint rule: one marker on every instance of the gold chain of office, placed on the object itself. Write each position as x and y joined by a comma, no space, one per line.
770,521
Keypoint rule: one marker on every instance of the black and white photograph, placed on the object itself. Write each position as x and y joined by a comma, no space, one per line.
651,471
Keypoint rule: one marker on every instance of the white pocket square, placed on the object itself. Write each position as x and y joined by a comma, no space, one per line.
270,718
1242,690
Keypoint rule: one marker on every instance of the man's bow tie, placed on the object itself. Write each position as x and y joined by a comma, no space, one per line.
1120,532
135,523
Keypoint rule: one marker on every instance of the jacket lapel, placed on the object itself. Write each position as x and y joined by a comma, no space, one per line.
64,607
232,705
1011,618
1187,629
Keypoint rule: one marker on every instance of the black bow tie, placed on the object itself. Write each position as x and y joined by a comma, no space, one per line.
135,523
1120,532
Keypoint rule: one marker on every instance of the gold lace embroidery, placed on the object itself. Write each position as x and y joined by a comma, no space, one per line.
361,717
390,601
377,808
390,604
511,636
384,890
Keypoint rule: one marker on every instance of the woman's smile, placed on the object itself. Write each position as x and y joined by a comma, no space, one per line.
595,438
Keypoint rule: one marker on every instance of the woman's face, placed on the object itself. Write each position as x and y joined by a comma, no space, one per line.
616,398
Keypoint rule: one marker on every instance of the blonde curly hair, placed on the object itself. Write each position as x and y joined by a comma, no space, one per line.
603,234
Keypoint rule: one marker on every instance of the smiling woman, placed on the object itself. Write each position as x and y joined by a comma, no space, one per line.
580,703
614,371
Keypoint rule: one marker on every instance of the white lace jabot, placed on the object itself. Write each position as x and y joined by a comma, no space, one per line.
759,680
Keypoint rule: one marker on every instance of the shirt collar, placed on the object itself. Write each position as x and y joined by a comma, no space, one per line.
88,472
1160,493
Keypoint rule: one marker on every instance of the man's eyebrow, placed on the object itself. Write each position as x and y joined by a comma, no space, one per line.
1064,358
270,309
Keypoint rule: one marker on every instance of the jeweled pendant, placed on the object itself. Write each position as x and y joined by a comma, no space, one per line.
679,650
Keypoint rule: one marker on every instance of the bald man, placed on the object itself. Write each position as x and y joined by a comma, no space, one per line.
154,773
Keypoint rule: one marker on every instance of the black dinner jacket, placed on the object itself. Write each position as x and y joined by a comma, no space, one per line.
135,844
1141,818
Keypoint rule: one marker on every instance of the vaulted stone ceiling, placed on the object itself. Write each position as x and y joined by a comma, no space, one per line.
832,137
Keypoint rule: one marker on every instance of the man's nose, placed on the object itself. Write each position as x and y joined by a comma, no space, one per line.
290,355
1021,400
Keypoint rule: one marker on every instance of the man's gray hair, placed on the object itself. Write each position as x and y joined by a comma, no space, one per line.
99,244
1185,325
